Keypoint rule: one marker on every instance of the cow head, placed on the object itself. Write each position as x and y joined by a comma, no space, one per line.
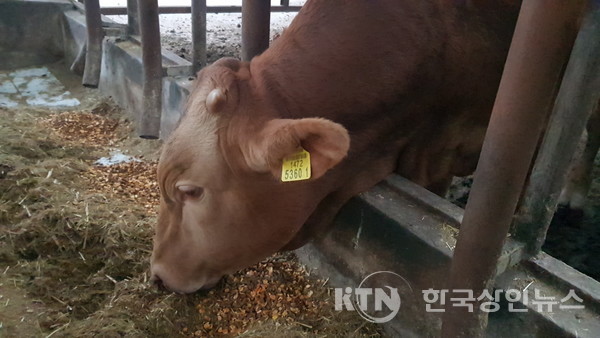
223,206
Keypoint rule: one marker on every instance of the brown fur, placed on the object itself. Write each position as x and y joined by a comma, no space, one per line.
579,178
367,87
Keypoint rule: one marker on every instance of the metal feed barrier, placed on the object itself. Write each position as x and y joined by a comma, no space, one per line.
482,255
143,19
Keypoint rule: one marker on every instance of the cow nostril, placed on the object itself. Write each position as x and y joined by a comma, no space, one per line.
156,281
213,284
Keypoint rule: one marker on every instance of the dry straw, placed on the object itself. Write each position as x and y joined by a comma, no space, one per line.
76,239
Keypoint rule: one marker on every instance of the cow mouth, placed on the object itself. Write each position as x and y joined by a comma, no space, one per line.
162,281
156,281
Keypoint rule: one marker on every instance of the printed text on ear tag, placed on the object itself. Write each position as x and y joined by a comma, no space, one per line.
296,167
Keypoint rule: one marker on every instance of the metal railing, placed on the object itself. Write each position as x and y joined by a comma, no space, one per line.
524,99
142,19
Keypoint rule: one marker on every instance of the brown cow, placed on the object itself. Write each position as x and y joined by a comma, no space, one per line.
366,87
574,194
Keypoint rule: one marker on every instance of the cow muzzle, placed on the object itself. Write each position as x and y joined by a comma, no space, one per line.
164,281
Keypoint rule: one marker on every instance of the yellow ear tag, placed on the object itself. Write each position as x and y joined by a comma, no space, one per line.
296,167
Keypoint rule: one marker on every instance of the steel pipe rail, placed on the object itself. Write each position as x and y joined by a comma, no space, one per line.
133,19
95,34
153,73
543,38
198,34
256,19
578,95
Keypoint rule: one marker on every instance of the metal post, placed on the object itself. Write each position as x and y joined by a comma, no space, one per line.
198,34
576,99
285,3
95,34
152,62
256,21
543,37
133,20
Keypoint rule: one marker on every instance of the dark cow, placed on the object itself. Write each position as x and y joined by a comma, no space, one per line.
365,87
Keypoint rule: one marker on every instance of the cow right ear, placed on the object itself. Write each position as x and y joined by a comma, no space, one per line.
327,143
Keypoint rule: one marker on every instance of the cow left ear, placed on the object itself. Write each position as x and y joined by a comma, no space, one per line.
326,141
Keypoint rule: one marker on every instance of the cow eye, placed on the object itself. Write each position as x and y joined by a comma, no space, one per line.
190,191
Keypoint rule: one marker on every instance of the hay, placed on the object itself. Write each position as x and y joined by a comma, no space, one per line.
77,238
133,181
88,128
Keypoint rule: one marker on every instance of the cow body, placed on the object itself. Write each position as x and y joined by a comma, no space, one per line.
579,179
366,87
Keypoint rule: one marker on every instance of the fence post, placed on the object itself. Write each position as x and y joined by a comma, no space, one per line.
524,97
153,72
198,34
133,20
95,34
256,22
578,95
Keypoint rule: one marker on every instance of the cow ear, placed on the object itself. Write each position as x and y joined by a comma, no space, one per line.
326,141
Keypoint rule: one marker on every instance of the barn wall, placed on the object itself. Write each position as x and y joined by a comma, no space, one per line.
31,32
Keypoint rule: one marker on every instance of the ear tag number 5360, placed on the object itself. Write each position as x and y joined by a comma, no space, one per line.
296,167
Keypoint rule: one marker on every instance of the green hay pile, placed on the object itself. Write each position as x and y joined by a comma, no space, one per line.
81,255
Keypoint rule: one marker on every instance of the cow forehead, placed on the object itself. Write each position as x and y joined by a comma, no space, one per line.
193,149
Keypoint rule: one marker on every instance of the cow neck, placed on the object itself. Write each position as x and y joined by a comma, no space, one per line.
371,157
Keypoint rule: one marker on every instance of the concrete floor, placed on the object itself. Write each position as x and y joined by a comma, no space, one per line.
35,86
